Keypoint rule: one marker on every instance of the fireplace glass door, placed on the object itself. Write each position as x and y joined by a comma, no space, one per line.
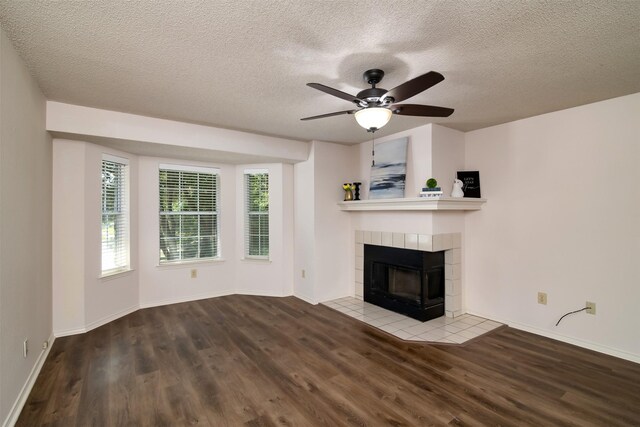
404,283
407,281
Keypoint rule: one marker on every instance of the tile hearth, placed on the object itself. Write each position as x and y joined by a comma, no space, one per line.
442,329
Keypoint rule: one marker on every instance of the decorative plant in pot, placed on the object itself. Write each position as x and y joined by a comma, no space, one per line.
432,185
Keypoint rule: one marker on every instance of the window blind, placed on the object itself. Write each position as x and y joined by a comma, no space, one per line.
256,235
189,226
115,215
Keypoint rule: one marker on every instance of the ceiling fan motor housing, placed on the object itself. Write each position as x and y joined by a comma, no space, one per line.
372,94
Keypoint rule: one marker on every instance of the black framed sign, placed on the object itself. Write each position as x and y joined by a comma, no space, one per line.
470,183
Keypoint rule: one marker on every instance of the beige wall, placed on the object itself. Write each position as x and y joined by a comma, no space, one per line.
25,228
562,217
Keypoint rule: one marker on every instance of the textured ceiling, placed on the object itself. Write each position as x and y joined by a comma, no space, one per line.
243,64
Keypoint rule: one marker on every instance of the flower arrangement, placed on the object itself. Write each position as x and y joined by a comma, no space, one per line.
348,191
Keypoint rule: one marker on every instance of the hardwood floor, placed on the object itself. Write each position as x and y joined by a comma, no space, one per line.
260,361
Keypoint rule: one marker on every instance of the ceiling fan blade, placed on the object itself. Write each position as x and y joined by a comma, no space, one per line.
413,87
335,92
337,113
421,110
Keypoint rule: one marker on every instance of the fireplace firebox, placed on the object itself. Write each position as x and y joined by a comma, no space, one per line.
406,281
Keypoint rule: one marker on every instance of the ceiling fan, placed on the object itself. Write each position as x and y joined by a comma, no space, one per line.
376,105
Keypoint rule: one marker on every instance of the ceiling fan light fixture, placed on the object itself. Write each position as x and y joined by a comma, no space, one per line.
373,118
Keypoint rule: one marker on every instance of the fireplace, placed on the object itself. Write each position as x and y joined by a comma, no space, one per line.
406,281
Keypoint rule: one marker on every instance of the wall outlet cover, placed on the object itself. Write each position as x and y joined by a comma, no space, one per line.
542,298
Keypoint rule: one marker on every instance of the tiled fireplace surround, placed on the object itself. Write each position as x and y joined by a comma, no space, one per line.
451,243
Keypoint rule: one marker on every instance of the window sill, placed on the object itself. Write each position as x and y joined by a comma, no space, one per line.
115,274
256,260
187,264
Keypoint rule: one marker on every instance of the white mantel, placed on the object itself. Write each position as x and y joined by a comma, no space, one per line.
414,204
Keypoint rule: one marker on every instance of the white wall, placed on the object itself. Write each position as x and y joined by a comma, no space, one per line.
419,167
562,217
151,136
304,228
332,238
109,297
273,276
447,154
82,299
25,230
68,271
322,230
173,283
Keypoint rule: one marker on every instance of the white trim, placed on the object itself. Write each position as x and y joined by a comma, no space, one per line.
69,332
566,339
261,293
252,171
188,298
187,263
110,318
414,204
338,296
305,299
16,409
256,259
188,168
97,323
113,274
115,159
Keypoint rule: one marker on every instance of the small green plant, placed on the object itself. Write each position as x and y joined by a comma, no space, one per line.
432,183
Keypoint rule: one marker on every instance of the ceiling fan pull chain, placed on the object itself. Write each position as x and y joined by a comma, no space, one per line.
373,148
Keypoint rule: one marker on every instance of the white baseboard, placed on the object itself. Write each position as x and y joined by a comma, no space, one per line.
14,413
260,292
564,338
96,323
306,299
111,318
67,332
187,298
338,296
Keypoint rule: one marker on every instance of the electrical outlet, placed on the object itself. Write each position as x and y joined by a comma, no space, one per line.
194,273
303,274
591,307
25,348
542,298
45,345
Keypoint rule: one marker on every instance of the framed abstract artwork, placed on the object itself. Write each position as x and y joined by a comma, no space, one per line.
389,170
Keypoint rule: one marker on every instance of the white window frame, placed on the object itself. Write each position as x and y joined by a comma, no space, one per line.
121,226
215,213
248,214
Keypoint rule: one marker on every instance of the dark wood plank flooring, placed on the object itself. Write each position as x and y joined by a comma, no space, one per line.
260,361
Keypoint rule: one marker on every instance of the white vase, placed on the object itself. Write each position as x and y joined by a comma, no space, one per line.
457,189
